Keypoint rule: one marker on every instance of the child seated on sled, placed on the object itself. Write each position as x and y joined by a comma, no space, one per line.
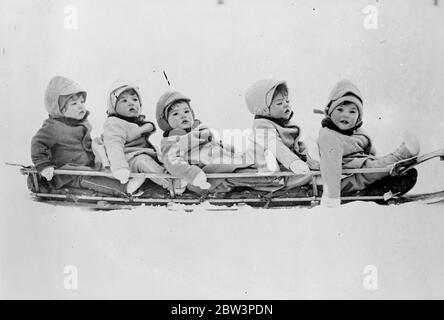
64,141
344,145
126,137
188,147
275,141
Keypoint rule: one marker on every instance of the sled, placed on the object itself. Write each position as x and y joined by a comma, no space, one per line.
389,190
404,165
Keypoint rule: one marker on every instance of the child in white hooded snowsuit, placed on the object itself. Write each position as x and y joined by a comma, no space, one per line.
126,137
189,149
64,141
275,142
344,145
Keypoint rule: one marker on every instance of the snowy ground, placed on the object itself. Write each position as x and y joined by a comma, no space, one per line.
213,53
247,254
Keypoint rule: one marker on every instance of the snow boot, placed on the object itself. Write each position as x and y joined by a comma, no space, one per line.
397,185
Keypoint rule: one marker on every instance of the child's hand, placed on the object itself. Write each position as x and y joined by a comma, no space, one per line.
146,128
201,181
299,167
313,164
48,173
122,175
204,134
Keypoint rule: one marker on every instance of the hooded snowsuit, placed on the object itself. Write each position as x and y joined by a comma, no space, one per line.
65,143
349,150
125,145
186,153
275,143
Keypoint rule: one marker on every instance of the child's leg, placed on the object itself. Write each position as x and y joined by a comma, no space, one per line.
143,163
104,185
180,168
356,182
297,181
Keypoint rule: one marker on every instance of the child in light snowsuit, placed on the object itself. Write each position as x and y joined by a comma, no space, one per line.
64,141
344,145
126,137
189,149
275,142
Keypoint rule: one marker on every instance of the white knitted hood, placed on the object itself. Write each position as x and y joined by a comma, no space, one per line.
116,89
60,86
259,95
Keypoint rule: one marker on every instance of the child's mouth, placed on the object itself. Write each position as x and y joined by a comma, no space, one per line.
344,122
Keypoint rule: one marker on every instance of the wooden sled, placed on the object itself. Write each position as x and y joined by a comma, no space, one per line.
301,196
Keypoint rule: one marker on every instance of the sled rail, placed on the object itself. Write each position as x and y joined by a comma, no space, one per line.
312,198
197,201
27,170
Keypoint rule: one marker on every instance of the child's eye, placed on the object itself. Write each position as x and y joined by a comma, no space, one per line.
352,111
187,111
174,114
340,109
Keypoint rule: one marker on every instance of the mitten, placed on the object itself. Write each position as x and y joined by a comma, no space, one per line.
48,173
122,175
201,181
299,167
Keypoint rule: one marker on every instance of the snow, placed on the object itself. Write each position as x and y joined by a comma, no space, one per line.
213,53
251,253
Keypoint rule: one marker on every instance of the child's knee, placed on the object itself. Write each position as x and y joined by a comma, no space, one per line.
145,163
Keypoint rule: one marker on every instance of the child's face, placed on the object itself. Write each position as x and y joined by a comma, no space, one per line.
128,104
280,106
180,116
75,107
345,116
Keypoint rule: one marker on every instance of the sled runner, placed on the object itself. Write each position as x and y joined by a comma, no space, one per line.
391,189
404,165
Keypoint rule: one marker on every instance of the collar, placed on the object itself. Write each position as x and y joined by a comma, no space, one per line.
280,122
327,122
181,132
139,120
70,121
